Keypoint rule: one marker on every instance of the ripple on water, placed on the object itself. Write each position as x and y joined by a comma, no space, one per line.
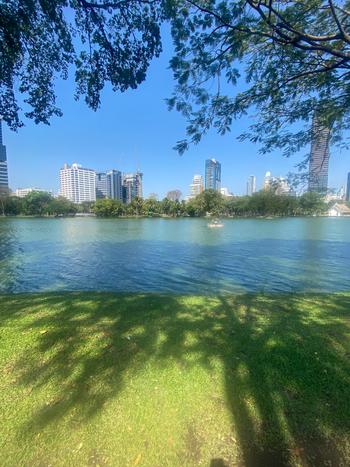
181,256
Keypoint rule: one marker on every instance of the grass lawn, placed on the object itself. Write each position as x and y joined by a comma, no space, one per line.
165,380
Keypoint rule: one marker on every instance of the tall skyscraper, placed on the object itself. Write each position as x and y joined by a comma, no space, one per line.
132,186
319,157
77,184
347,196
267,181
4,181
212,174
251,185
196,187
114,185
101,185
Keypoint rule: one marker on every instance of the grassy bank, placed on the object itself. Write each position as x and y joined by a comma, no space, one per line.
151,380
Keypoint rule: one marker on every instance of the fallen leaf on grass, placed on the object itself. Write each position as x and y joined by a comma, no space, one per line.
80,445
137,460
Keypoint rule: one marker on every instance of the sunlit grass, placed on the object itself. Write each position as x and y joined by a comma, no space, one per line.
165,380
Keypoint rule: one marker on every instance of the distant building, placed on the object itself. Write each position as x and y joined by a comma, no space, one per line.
23,192
114,185
101,185
281,186
339,210
196,187
334,195
212,175
347,196
132,186
153,196
226,192
77,183
278,185
174,195
319,157
267,181
4,179
251,185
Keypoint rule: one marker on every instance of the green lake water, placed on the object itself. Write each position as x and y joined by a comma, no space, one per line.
175,255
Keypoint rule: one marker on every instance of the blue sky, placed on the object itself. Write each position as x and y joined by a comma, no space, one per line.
134,130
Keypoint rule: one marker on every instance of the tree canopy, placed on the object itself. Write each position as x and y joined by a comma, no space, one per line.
209,202
103,41
287,60
281,61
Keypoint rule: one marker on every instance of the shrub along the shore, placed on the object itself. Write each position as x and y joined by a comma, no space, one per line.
263,203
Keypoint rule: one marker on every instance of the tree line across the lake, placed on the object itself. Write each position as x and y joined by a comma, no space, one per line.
262,203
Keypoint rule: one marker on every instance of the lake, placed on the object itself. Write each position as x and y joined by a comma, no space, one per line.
175,255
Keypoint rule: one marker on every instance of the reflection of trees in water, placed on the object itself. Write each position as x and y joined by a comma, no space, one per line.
286,371
10,255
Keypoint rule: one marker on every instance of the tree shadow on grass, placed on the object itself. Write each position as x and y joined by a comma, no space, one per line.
285,358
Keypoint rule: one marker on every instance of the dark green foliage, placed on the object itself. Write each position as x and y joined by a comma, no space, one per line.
210,202
10,205
287,60
108,208
36,203
41,40
62,207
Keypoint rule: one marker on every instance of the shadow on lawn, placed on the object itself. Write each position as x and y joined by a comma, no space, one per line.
284,356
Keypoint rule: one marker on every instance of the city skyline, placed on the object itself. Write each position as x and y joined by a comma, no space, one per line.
122,134
80,184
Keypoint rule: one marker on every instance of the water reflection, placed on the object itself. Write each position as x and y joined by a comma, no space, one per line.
181,256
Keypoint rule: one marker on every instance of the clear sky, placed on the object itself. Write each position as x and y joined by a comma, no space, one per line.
133,131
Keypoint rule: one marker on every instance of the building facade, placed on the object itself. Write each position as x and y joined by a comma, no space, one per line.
23,192
196,187
319,157
212,175
267,181
251,185
4,180
347,195
114,185
278,185
132,186
101,185
78,184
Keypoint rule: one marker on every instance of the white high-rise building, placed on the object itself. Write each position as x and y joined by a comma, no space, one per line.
267,181
196,187
251,185
77,183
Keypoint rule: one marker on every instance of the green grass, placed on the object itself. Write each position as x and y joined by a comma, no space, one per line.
164,380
